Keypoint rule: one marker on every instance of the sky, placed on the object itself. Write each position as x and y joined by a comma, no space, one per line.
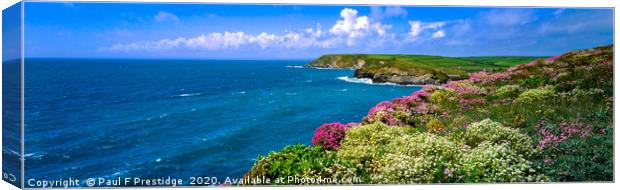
227,31
11,34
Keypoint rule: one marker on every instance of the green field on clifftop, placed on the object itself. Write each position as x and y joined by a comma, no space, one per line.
419,64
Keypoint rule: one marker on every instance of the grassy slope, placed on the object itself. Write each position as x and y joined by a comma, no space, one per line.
421,64
550,120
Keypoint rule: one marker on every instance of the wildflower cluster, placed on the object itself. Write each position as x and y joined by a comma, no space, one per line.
552,119
536,95
507,91
552,135
329,135
396,112
486,77
465,88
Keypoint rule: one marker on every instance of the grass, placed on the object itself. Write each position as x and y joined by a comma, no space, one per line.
419,64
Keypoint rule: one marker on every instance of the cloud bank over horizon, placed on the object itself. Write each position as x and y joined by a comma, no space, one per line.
351,30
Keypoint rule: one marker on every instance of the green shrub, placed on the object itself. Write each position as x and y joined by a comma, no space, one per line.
493,132
442,96
491,162
435,126
507,91
536,95
364,145
294,161
418,158
577,159
381,154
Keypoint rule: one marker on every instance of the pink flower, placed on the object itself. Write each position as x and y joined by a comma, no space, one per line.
465,126
554,135
352,124
382,106
552,59
329,135
418,95
485,77
515,69
468,102
422,108
531,64
464,88
479,76
416,103
447,172
445,114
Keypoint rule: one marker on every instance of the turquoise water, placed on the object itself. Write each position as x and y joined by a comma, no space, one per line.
154,118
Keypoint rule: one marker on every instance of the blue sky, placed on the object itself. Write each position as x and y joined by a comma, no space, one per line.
142,30
11,34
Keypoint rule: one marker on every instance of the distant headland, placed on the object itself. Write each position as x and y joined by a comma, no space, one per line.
416,69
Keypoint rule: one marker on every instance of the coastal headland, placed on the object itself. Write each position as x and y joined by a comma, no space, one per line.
416,69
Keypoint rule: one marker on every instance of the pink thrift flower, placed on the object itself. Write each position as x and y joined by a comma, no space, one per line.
329,135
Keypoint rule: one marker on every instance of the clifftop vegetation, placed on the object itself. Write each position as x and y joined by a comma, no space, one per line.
438,69
547,120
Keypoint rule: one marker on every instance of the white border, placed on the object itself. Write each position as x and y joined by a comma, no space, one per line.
495,3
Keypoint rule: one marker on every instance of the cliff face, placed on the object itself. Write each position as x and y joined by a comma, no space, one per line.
379,77
386,69
339,61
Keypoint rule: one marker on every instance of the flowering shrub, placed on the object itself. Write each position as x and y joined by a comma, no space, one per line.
464,88
393,155
485,77
490,162
580,159
443,96
531,64
421,158
552,59
554,135
329,135
493,132
364,145
384,112
434,126
397,111
468,102
467,93
294,160
536,95
507,91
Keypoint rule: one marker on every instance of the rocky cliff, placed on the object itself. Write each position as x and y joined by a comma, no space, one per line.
391,69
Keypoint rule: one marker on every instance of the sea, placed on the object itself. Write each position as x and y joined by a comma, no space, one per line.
150,118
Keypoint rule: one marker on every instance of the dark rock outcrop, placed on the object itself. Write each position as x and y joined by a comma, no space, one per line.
400,79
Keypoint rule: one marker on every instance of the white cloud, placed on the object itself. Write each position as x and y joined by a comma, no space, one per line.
350,30
418,27
355,27
315,32
163,16
225,40
439,34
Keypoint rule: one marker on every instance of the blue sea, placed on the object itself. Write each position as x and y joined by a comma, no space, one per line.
110,118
